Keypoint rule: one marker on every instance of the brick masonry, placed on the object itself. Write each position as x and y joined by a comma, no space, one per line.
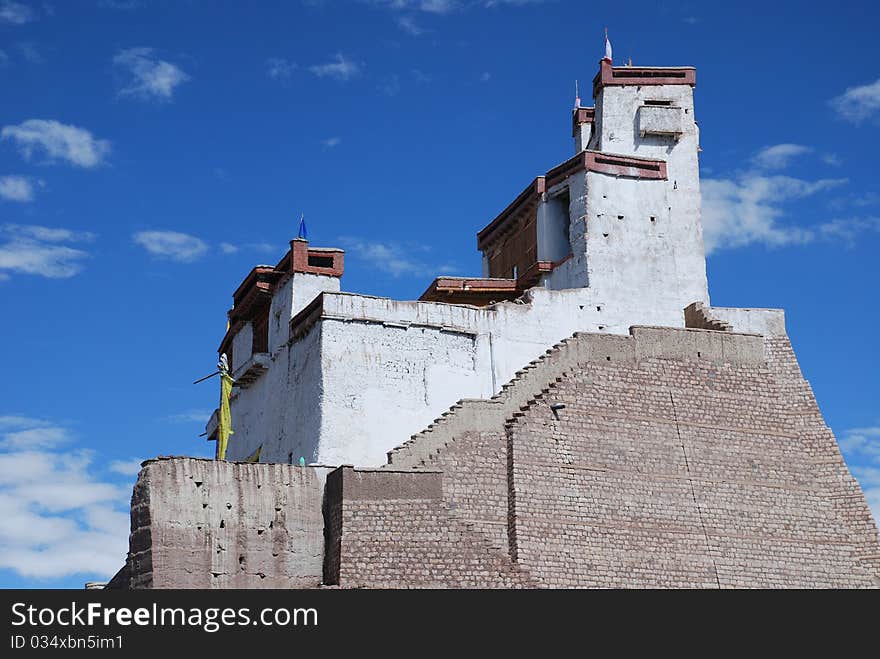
672,458
675,466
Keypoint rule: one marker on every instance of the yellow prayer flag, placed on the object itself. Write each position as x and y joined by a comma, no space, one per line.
224,426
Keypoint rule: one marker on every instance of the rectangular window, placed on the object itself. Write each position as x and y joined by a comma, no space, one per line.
320,261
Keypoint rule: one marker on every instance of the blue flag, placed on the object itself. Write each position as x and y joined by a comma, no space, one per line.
302,228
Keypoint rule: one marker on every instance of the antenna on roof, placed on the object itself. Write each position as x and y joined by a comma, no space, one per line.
577,96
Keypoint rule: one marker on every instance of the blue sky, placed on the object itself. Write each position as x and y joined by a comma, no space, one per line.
152,152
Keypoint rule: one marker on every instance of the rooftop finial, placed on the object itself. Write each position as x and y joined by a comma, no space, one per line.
607,46
303,234
577,96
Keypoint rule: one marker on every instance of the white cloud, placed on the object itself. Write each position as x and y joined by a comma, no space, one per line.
15,13
779,156
171,245
340,68
126,467
420,76
279,68
858,103
392,258
30,249
429,6
331,142
12,421
749,209
16,188
48,234
861,448
123,5
409,25
151,78
190,416
750,206
439,6
57,141
517,3
57,518
30,52
390,85
38,437
230,248
832,159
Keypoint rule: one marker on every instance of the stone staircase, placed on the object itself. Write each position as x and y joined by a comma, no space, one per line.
487,414
718,345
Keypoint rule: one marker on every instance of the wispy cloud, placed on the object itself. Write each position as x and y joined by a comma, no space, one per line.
126,467
171,245
390,85
331,142
439,6
393,258
857,104
832,159
48,234
150,77
485,76
279,68
779,156
16,188
408,24
751,206
861,448
190,416
231,248
339,68
57,517
30,52
16,13
57,141
4,58
34,250
420,76
515,3
122,5
428,6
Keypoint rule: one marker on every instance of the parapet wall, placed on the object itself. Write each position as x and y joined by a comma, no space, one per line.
199,523
393,529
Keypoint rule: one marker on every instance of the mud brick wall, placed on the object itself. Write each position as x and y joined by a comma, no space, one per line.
212,524
393,529
832,475
683,473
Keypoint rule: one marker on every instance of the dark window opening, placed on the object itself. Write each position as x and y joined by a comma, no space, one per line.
658,102
320,261
261,334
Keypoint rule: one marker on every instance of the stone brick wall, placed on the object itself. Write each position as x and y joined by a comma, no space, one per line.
670,458
211,524
683,461
394,530
674,474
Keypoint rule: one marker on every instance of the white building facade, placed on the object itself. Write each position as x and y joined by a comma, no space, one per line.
608,239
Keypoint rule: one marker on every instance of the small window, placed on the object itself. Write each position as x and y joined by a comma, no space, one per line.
660,102
320,261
